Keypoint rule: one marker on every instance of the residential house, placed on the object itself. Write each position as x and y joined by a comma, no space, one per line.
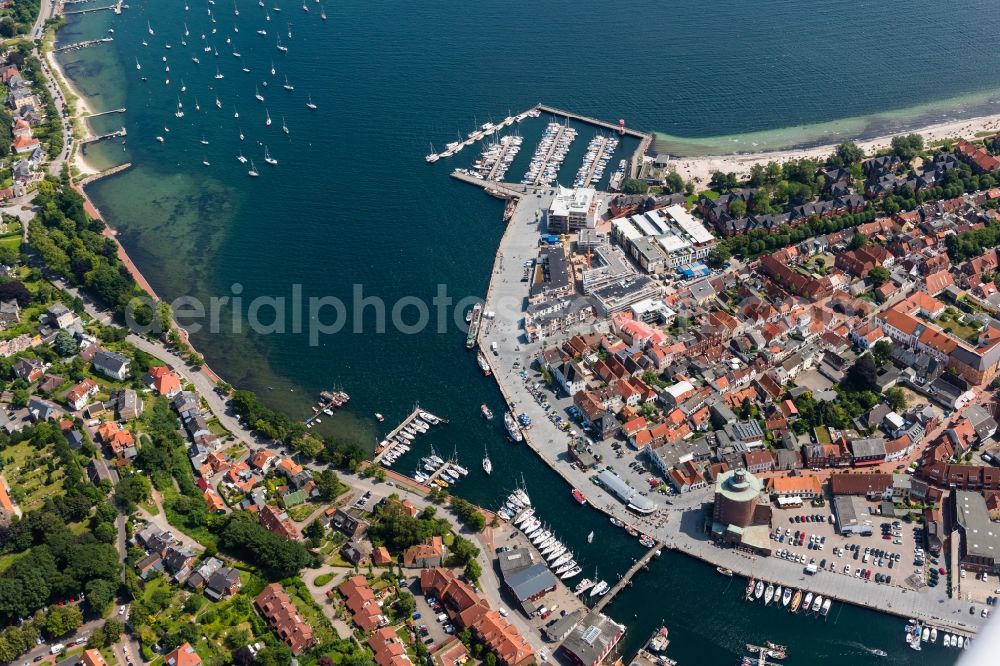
79,395
111,364
184,655
279,611
427,554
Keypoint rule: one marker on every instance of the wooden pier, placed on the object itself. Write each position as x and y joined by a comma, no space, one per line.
106,113
110,135
391,437
104,174
331,404
116,8
620,585
83,45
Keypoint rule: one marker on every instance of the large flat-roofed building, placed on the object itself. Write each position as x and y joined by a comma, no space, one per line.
850,511
623,294
592,640
668,238
741,515
572,210
980,546
626,493
552,276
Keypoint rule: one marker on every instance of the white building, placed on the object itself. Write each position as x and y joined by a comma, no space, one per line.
572,210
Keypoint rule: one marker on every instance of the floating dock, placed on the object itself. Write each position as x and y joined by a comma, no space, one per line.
332,401
106,113
391,437
110,135
83,45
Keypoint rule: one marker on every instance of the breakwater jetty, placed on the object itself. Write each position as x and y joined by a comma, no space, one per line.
104,174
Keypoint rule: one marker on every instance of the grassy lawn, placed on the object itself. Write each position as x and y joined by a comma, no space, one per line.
323,579
302,511
217,428
29,476
10,558
234,451
170,496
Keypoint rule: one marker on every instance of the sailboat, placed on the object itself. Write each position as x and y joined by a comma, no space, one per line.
218,74
183,86
267,158
267,122
180,109
256,90
322,12
187,33
487,463
241,134
206,162
137,65
280,47
590,537
197,107
218,103
236,112
289,31
310,104
288,86
204,141
241,158
253,170
272,68
150,28
284,127
236,10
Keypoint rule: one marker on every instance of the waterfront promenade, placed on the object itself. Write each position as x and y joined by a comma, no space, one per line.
678,521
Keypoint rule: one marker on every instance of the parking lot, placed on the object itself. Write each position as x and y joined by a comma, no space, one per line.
425,617
979,593
888,556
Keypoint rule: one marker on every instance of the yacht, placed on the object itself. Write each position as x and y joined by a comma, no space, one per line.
160,139
512,428
826,607
599,589
768,594
262,33
267,158
310,103
583,586
253,170
786,597
933,634
575,571
807,602
818,603
256,90
758,590
288,86
925,634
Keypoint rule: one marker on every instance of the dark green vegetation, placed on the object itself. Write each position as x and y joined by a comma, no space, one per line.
18,18
243,537
70,244
60,550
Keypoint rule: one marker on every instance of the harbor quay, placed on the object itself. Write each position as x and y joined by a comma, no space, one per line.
678,521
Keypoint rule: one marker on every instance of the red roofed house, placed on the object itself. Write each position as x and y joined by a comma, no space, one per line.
361,602
162,380
428,554
25,144
757,461
388,648
184,655
279,611
79,395
277,522
93,657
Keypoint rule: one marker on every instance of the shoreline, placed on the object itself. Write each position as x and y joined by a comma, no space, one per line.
81,109
700,168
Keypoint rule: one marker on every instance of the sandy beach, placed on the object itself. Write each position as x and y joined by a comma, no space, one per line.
700,169
81,109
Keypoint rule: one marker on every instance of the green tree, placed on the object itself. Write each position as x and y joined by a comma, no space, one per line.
63,619
100,593
64,344
737,208
859,240
849,153
878,275
907,146
675,182
634,186
473,571
882,351
895,398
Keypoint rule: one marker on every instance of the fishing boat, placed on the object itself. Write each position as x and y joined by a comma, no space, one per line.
786,597
487,463
768,594
599,589
724,571
758,590
486,411
253,170
807,602
483,364
579,496
818,603
267,158
796,600
826,607
310,103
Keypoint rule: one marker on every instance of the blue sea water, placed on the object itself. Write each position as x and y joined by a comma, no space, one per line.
351,203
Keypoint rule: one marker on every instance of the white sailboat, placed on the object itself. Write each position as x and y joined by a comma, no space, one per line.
253,170
260,98
590,537
242,159
267,121
267,158
310,103
284,127
288,86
